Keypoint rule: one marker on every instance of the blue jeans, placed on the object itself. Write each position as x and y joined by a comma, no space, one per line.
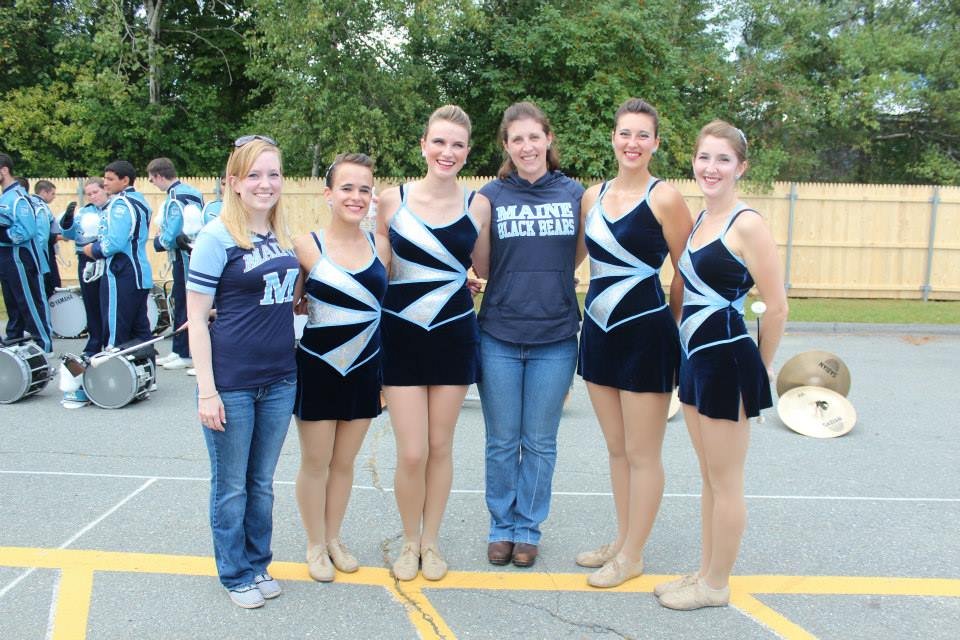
243,458
522,396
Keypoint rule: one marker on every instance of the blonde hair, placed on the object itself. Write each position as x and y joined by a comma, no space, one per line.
725,131
234,215
449,113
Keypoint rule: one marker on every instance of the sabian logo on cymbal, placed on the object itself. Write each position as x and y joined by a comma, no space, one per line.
831,366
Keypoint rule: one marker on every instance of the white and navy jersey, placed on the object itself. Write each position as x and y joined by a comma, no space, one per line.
252,339
18,222
86,226
181,213
126,222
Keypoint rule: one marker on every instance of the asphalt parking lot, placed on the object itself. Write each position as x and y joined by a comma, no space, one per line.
105,530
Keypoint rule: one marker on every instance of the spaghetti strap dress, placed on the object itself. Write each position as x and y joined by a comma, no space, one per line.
721,365
629,338
338,357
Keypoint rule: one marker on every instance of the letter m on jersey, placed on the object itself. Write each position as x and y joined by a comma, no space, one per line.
275,292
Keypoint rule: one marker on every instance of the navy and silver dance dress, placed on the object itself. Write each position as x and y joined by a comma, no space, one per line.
338,357
629,338
721,363
430,334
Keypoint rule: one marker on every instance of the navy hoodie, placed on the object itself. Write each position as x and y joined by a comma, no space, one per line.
530,296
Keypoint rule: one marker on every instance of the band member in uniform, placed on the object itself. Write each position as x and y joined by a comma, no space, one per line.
430,335
629,346
530,220
338,359
724,377
21,276
212,209
48,232
83,227
180,221
246,371
122,243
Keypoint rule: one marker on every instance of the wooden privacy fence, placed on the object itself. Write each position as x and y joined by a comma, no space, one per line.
835,240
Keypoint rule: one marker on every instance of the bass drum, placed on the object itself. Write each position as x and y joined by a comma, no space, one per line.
116,382
158,310
68,317
24,371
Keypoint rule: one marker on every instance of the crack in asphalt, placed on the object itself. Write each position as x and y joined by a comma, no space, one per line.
371,462
591,627
398,585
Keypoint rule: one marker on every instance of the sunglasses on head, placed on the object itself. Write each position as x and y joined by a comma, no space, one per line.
242,140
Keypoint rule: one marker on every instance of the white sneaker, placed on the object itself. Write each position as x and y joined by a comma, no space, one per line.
247,596
269,588
191,371
178,363
167,358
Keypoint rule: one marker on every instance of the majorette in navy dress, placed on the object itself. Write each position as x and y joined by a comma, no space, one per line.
629,337
430,334
721,363
338,358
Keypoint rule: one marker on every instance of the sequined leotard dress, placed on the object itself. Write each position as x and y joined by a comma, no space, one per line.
338,357
430,334
721,363
629,337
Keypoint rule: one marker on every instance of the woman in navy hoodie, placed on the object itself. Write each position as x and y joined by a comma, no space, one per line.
527,251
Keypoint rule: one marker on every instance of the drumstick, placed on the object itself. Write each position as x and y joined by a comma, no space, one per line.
759,308
100,358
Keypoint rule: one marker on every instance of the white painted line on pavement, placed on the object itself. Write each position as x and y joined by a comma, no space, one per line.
13,583
581,494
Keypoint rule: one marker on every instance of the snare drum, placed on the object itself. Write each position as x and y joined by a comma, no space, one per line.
23,371
68,317
116,382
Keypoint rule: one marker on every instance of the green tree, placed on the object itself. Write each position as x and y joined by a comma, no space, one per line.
578,61
335,75
850,90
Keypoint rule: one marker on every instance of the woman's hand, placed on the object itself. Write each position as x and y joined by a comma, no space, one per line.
212,415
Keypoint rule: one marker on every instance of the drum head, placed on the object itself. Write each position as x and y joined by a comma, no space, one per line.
68,317
112,383
15,376
674,404
153,313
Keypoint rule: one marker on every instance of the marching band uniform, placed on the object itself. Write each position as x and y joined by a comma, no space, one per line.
629,338
181,213
211,211
127,278
338,357
721,364
83,229
21,272
430,332
42,239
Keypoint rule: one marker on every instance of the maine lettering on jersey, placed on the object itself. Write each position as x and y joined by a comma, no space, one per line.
261,253
548,219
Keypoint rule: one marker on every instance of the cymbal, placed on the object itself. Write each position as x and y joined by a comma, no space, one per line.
674,403
816,412
814,368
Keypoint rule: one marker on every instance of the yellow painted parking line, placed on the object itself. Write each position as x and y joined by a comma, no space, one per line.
73,604
424,617
773,620
78,567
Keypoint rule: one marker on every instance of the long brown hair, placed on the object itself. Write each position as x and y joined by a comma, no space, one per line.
524,111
